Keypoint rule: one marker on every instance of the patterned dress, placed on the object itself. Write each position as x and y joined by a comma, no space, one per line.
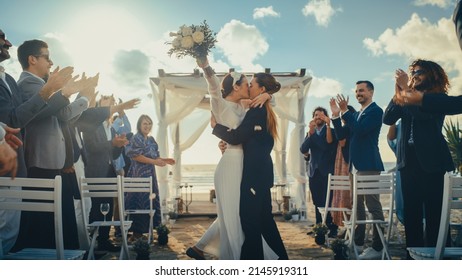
147,147
340,198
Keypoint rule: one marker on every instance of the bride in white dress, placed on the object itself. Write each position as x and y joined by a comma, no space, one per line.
225,237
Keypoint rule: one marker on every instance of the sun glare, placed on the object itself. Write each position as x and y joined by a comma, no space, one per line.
97,33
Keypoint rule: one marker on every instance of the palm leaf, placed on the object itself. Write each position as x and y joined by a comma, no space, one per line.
454,139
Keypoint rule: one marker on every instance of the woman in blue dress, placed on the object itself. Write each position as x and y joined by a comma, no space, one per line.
144,154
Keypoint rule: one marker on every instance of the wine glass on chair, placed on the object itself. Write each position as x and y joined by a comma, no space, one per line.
104,208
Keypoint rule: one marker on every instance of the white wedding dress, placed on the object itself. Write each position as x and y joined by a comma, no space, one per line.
224,238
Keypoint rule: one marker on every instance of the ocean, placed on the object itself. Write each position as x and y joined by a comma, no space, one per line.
200,176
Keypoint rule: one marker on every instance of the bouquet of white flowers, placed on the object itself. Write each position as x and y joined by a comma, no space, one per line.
194,40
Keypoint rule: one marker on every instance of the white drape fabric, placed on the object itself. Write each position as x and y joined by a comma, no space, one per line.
180,106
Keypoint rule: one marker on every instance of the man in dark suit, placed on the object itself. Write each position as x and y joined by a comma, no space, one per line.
321,144
257,180
423,155
102,147
364,130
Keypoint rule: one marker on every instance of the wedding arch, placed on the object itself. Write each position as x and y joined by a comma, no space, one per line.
181,96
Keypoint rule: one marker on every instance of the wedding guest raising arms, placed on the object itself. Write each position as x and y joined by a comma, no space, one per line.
423,153
364,130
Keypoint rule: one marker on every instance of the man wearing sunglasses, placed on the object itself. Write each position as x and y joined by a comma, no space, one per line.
16,113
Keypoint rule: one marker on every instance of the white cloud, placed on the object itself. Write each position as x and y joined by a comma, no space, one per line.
419,38
265,12
439,3
242,44
325,87
322,11
131,68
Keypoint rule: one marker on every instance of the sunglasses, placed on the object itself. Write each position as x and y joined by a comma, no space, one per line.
46,56
417,73
6,45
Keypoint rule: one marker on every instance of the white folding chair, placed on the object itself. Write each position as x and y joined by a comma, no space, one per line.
140,185
452,200
336,183
104,188
382,184
37,195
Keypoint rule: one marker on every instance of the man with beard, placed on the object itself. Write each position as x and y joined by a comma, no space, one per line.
321,144
364,129
423,153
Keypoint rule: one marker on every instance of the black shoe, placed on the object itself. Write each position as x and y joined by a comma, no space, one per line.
333,230
193,254
106,245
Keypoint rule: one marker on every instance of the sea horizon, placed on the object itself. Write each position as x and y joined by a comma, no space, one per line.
200,176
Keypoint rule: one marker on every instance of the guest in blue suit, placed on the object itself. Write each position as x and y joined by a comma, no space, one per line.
321,144
364,129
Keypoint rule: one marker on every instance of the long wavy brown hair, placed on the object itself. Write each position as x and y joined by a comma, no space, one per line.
437,80
272,86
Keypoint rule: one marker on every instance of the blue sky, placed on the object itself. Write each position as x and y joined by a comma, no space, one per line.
338,42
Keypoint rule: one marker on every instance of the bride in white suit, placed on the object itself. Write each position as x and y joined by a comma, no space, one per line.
229,100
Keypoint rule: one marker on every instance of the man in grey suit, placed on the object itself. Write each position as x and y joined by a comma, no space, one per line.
15,113
44,141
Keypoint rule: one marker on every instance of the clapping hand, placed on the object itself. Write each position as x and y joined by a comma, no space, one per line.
342,102
402,79
119,141
56,81
11,138
311,127
334,108
8,156
324,118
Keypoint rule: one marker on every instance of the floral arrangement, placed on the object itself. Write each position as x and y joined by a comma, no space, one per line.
320,229
194,40
141,246
162,230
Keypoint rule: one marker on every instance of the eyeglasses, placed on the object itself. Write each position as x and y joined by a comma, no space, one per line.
46,56
417,73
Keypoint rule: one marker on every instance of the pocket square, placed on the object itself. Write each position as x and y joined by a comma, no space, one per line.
257,128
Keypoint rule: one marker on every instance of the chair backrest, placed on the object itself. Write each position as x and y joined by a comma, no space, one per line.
35,195
102,187
138,184
335,183
452,199
375,184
